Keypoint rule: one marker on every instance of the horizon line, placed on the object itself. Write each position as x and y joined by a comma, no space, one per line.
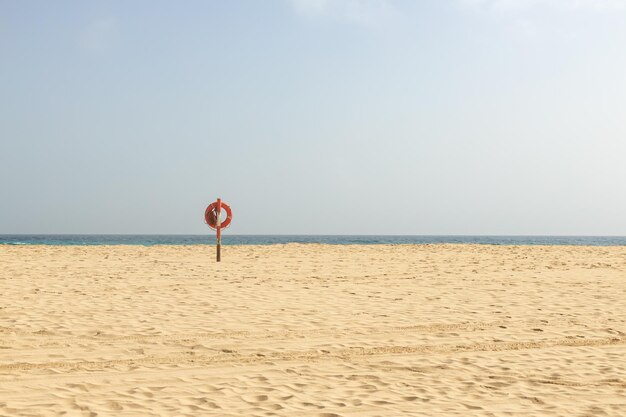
305,234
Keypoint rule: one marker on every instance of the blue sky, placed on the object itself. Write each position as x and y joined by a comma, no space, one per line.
314,116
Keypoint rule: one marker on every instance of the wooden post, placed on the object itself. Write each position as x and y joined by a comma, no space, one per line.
219,229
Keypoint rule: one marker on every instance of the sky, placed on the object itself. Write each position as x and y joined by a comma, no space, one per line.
490,117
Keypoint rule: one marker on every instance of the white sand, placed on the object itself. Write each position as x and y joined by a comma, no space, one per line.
313,330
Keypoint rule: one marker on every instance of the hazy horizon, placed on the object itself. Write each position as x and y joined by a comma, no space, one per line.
211,233
460,117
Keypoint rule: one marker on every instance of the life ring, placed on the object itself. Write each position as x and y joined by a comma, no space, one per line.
210,215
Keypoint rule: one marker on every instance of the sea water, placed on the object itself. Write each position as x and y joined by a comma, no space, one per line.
227,239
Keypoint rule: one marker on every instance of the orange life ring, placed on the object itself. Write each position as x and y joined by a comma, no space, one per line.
210,215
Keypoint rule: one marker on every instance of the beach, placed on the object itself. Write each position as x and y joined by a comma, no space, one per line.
312,330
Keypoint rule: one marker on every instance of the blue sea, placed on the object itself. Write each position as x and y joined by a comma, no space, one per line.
149,240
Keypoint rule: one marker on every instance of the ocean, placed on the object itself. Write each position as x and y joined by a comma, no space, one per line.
149,240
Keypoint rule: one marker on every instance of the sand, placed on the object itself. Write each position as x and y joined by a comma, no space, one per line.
313,330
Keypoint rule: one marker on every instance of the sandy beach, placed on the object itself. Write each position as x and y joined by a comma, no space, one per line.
312,330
